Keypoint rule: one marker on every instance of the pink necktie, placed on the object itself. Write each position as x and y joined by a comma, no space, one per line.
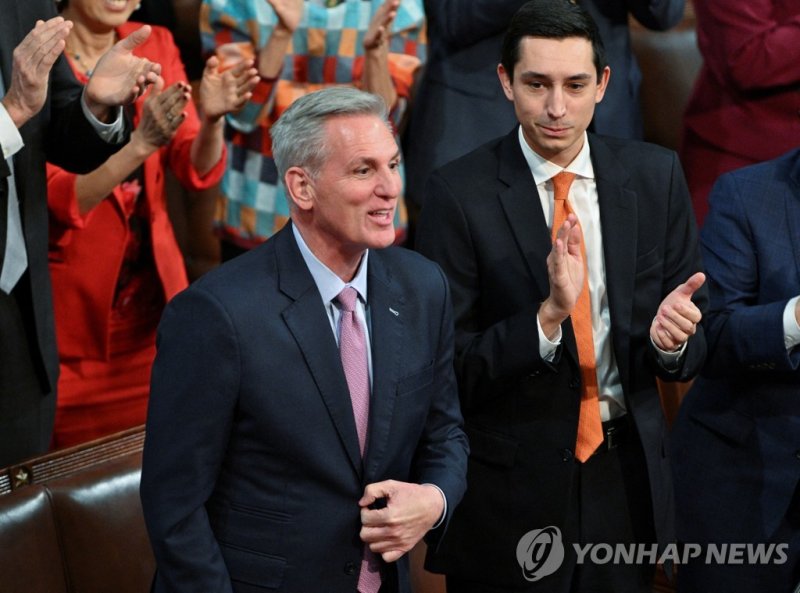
353,351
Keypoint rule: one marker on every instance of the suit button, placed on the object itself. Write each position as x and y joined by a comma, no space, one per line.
566,455
350,568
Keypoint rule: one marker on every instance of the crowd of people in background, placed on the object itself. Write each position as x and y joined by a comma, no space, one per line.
585,268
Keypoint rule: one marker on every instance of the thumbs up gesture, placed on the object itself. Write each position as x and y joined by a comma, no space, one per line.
677,316
120,77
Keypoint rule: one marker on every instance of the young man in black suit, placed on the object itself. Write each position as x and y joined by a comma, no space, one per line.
565,325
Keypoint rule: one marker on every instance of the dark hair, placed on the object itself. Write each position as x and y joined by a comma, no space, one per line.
551,19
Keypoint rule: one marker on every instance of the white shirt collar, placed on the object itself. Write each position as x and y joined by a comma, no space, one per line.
328,283
543,169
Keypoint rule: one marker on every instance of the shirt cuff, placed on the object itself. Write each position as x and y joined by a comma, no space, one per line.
10,138
791,331
547,348
112,133
444,511
669,360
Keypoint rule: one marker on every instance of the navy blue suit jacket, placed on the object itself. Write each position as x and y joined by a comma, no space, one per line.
736,441
252,472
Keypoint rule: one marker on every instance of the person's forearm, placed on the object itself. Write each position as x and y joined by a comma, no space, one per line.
377,79
207,146
92,188
271,56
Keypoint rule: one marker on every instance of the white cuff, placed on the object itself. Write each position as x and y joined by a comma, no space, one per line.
669,360
791,330
111,133
444,511
547,349
10,138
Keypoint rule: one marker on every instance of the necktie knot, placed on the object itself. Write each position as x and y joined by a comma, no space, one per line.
347,299
561,184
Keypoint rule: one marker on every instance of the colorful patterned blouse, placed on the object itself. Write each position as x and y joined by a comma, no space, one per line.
326,49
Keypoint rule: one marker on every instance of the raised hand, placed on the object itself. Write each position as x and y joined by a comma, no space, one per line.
566,271
677,316
289,13
228,91
162,114
119,76
32,61
378,32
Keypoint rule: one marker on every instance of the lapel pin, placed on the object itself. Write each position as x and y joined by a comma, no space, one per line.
395,313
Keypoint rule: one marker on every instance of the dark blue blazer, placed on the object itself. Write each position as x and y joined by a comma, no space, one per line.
736,442
460,103
252,473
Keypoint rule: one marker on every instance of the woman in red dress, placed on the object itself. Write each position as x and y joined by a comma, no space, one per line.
114,260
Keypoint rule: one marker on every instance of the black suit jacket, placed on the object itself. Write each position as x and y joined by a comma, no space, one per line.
483,223
252,472
61,134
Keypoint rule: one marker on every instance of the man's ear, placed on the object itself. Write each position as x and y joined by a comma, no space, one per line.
299,188
505,82
602,84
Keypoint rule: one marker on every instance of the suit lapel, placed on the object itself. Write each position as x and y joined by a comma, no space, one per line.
792,198
307,320
523,209
520,201
619,221
387,312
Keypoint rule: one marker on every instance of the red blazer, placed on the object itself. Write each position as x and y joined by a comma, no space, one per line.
746,100
86,253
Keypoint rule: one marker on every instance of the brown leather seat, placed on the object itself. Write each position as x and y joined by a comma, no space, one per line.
81,529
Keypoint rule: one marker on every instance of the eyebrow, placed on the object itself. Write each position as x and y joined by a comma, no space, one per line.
368,160
529,74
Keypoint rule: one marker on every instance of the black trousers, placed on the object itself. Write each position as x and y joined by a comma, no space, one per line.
27,413
610,503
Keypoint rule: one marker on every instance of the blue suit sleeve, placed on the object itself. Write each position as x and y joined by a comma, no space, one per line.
441,455
193,395
745,328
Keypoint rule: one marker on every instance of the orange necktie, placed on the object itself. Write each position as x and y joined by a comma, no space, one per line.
590,427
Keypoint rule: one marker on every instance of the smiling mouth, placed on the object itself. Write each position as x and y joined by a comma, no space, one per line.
384,215
117,4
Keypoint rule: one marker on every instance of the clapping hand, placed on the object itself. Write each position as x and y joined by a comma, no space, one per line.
228,91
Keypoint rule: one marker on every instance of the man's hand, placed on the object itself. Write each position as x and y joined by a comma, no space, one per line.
410,511
228,91
120,77
378,32
677,316
566,271
30,69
